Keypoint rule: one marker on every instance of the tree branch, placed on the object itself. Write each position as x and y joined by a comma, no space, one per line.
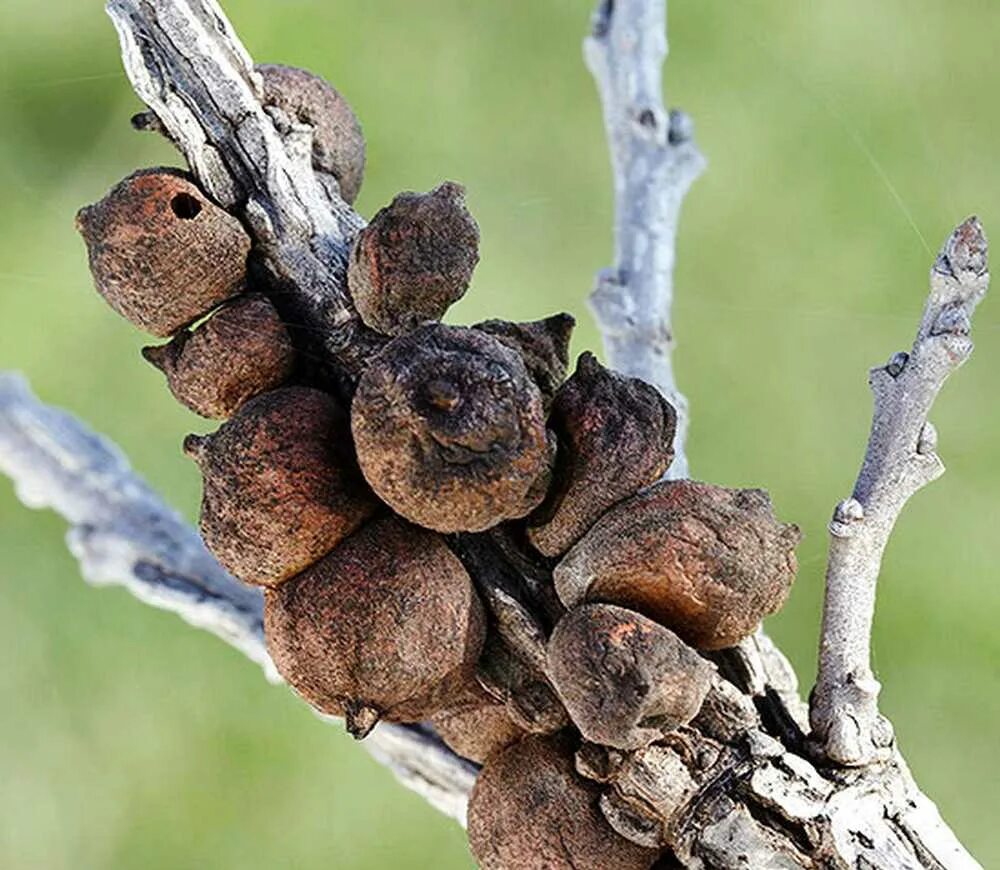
874,819
654,161
756,798
901,458
123,534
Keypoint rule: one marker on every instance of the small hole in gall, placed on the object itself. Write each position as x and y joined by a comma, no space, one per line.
185,206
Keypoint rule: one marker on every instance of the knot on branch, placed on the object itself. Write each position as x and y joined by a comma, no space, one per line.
846,517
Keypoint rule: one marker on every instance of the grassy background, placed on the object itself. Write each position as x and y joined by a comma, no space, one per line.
840,134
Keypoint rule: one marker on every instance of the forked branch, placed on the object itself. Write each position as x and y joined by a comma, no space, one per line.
123,534
757,800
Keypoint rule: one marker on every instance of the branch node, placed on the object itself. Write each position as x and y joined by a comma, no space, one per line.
681,129
928,441
846,517
654,161
953,320
897,363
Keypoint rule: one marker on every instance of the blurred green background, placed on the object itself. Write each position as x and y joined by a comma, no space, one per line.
840,135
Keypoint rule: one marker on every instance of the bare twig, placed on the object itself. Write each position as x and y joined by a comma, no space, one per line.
654,161
123,534
900,459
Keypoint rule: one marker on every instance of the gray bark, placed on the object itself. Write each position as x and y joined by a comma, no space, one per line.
188,65
724,793
736,789
654,161
901,459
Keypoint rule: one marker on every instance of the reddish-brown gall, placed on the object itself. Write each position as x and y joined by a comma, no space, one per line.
705,561
241,351
615,437
543,344
476,727
338,143
414,260
450,430
282,488
625,680
386,627
531,810
162,255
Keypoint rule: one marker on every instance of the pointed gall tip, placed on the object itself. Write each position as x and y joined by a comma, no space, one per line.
83,220
156,355
361,719
588,365
792,534
560,327
195,447
450,190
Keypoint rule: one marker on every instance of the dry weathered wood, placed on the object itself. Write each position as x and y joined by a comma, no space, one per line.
754,796
901,459
870,818
735,788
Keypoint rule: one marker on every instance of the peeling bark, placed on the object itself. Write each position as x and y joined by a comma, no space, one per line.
736,788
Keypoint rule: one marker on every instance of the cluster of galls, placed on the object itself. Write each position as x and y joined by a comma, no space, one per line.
347,510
